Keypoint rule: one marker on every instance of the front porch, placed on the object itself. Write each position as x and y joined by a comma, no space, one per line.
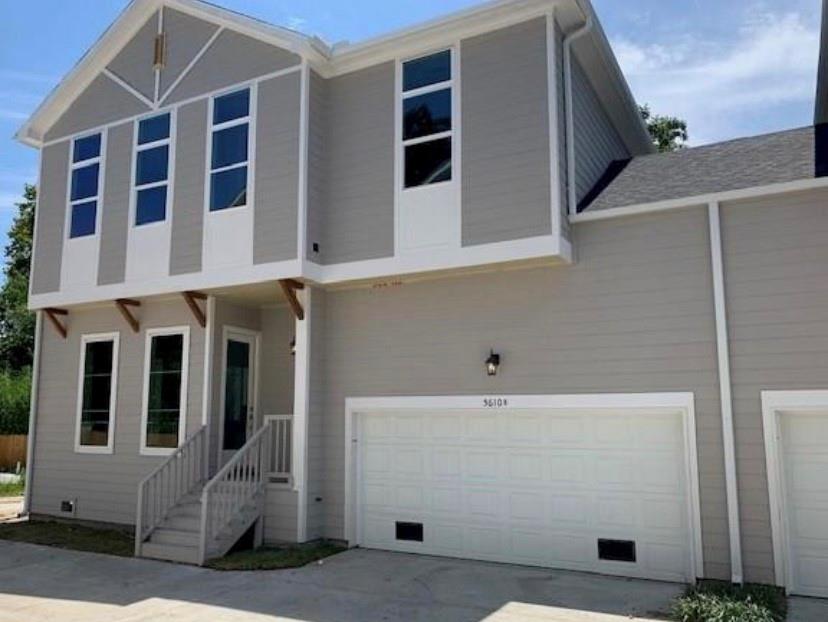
238,470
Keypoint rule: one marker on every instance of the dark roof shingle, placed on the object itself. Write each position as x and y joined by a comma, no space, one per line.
732,165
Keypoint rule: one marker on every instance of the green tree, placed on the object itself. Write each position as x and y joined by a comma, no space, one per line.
668,133
17,323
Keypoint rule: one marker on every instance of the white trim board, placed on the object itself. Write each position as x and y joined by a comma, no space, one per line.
775,404
656,402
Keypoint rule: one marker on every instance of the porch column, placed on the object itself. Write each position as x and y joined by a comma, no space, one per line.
301,397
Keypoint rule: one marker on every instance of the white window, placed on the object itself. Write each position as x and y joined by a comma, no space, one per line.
427,119
152,169
84,185
166,361
229,150
97,388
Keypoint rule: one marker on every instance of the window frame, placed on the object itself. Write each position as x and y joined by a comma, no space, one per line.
134,186
115,338
452,84
183,390
250,120
100,160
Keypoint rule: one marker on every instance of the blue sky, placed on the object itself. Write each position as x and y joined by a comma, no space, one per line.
731,68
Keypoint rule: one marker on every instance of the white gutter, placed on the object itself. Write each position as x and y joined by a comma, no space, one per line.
572,196
725,394
30,441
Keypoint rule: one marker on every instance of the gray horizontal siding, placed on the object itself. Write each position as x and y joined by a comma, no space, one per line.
276,206
105,486
50,218
597,143
776,262
506,192
232,58
134,63
280,515
634,315
188,193
185,36
115,206
357,215
103,101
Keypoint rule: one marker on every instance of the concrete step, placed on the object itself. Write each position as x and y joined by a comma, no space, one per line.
170,552
165,535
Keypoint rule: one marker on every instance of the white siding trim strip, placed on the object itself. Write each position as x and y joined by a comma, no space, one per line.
726,400
701,199
30,442
192,64
554,139
126,86
209,338
301,400
682,402
773,404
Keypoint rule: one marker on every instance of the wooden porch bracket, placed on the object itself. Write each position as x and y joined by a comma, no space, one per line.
289,287
52,314
190,298
123,305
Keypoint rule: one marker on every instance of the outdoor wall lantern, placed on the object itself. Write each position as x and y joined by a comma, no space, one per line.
492,363
293,347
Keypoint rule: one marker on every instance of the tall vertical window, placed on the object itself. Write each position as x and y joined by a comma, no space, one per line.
152,169
97,383
229,150
84,191
165,389
427,127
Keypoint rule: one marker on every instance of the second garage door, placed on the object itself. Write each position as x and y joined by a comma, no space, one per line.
603,491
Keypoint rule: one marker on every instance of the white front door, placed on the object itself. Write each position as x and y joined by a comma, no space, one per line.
804,452
602,491
238,401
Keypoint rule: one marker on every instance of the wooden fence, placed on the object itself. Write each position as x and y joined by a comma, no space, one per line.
12,450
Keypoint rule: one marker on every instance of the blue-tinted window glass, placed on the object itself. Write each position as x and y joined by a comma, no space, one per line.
151,205
428,163
427,114
83,219
156,128
427,70
87,148
230,146
152,165
84,182
232,106
228,189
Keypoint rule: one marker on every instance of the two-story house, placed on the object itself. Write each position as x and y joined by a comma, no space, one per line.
431,292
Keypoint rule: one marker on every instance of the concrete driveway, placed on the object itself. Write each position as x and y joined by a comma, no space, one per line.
43,583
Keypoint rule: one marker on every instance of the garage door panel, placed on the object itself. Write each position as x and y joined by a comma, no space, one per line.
540,489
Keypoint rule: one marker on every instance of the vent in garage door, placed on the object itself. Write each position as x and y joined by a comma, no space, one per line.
412,532
616,550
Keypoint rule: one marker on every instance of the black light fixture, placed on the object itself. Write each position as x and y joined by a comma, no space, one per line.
492,363
293,347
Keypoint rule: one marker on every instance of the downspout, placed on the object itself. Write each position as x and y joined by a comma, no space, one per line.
725,393
30,442
572,195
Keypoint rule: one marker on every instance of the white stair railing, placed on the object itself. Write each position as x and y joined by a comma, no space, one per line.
179,475
281,442
238,483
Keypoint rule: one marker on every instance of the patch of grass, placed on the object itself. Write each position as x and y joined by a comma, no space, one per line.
718,601
276,558
11,489
69,536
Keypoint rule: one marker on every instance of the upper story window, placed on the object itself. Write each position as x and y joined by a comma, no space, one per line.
84,191
96,393
152,169
229,150
427,126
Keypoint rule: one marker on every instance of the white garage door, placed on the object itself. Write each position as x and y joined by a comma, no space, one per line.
587,490
805,466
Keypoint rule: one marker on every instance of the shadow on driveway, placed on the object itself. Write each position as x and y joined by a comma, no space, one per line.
42,583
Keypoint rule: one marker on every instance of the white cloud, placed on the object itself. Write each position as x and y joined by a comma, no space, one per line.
770,62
